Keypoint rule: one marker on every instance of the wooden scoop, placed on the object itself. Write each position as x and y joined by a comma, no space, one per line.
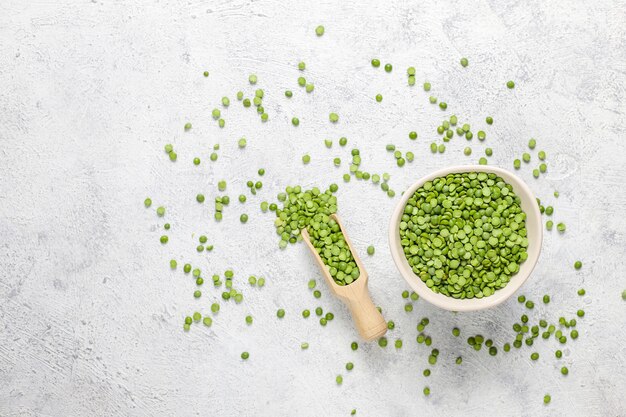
369,322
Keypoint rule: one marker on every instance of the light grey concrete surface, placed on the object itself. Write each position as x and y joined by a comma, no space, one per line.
90,314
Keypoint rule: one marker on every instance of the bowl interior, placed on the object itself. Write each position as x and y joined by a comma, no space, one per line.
533,226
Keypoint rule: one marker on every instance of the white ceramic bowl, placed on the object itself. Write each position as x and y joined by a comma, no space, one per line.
533,226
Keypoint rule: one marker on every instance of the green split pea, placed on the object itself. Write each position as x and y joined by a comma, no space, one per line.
312,209
464,235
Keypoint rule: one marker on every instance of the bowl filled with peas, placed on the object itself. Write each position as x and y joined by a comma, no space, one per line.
466,237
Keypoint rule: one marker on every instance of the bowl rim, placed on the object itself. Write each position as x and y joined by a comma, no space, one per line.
529,204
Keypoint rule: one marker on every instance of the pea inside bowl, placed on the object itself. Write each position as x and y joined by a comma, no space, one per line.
449,279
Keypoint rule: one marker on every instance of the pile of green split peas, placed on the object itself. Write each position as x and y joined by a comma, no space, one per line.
464,235
312,209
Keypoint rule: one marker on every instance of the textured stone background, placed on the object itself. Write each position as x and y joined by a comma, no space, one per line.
90,314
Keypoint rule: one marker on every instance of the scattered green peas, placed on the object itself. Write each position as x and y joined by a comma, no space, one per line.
375,63
371,250
547,399
379,97
510,84
319,31
388,67
564,370
245,355
280,313
578,265
295,121
467,151
489,120
464,62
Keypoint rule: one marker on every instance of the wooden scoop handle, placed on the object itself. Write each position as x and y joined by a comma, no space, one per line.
367,319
